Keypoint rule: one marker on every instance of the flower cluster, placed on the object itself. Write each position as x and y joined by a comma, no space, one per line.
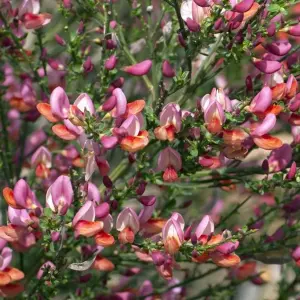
140,140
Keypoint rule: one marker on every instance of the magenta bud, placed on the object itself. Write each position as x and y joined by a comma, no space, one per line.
271,29
249,83
110,103
202,3
109,142
141,188
67,4
218,24
83,279
131,156
243,6
114,204
113,24
167,69
265,166
107,182
147,200
139,69
192,25
80,29
60,40
102,165
118,83
55,65
88,65
110,64
194,238
55,236
102,210
292,172
158,258
267,66
279,48
295,30
111,44
181,40
187,233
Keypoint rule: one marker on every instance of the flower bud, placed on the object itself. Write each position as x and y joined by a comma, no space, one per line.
110,64
139,69
167,69
107,182
88,65
60,40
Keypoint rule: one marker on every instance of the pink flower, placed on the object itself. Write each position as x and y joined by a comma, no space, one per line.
205,229
170,122
60,195
30,17
172,234
128,225
280,158
169,161
189,9
5,257
41,160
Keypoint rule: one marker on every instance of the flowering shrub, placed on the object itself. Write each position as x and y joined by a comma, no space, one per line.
146,145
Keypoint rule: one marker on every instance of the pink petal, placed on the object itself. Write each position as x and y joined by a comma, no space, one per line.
267,66
121,102
85,213
60,105
266,126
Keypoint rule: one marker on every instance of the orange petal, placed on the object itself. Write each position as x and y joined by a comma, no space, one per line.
126,236
234,137
272,109
104,239
12,233
225,260
8,195
251,12
87,228
42,171
215,239
62,131
201,258
45,110
4,278
267,142
11,290
294,119
135,107
278,91
246,270
20,105
153,226
134,143
14,274
172,245
215,124
161,133
78,162
103,264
